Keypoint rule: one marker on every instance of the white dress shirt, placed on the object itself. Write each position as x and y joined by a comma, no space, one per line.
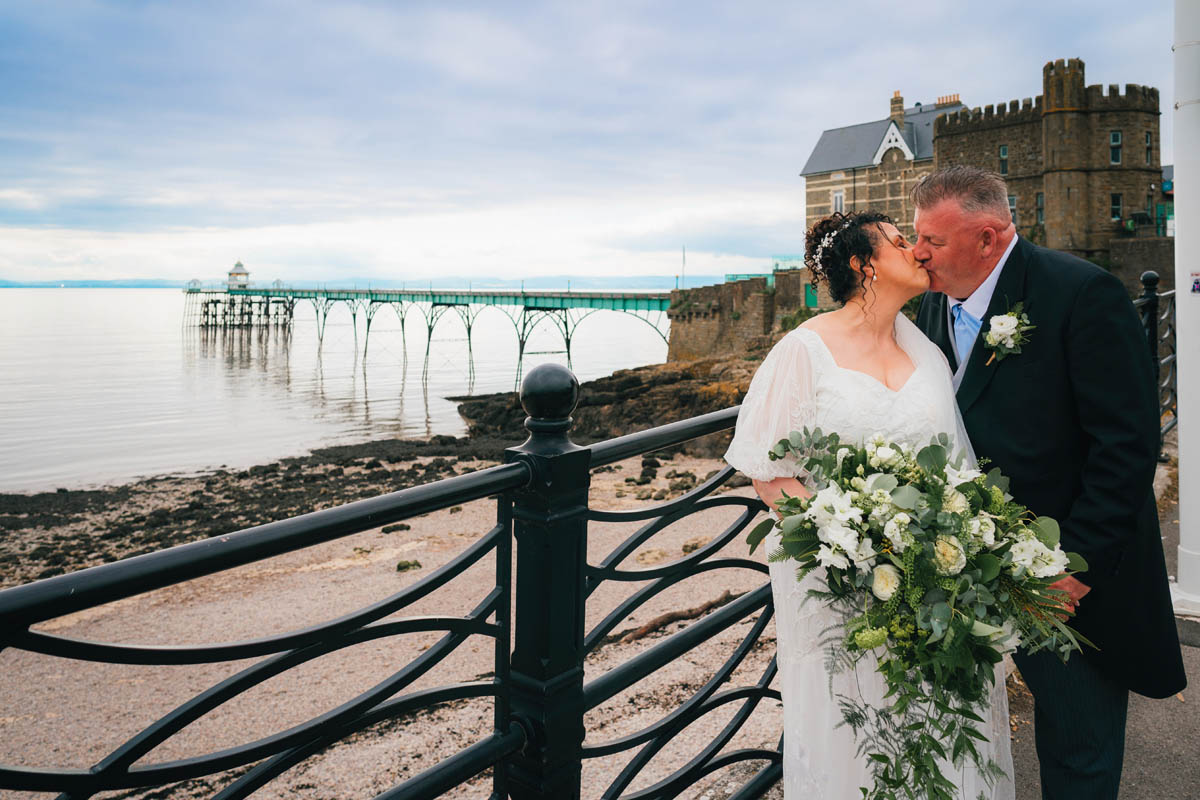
976,305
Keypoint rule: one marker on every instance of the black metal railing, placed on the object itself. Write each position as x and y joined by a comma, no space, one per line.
1157,310
536,619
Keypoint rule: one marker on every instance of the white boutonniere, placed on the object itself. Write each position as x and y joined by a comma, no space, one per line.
1006,333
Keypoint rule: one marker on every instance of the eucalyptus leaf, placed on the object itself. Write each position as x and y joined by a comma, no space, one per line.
906,497
1076,562
989,566
791,524
932,458
1047,531
759,533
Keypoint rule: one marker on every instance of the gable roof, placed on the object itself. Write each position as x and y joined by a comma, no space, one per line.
856,145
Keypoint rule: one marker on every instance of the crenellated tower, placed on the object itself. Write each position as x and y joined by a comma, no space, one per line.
1082,164
1065,163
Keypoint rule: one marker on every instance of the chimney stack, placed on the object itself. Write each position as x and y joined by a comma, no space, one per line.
897,114
947,100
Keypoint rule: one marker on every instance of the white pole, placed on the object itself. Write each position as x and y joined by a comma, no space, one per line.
1187,303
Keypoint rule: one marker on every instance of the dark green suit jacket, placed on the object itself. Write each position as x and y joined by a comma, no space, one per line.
1073,421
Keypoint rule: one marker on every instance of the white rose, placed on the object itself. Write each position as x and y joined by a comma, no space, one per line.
886,455
885,580
991,339
948,556
1004,325
955,502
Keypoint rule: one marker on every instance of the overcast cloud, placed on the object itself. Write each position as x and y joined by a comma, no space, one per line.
406,140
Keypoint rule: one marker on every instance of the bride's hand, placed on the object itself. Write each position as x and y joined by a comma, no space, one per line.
770,491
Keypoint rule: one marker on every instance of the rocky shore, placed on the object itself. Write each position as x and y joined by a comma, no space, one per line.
50,533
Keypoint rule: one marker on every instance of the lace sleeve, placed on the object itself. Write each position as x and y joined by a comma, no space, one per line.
779,401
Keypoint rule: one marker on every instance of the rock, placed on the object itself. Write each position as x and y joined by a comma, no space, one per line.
405,566
653,555
400,526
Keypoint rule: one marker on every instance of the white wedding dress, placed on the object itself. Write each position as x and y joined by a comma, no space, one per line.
800,385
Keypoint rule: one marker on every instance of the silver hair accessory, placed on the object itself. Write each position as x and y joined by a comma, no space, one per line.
828,240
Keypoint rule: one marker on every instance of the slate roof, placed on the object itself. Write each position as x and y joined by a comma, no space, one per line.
855,145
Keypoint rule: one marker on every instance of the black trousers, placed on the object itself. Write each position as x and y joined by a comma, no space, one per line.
1079,726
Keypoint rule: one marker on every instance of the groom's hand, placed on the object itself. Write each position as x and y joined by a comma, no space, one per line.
1074,588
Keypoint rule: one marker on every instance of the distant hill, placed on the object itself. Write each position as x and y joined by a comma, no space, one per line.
539,283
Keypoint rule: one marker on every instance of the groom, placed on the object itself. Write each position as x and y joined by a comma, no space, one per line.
1072,419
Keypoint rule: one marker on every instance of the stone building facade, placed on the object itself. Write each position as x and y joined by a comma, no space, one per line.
874,164
1079,161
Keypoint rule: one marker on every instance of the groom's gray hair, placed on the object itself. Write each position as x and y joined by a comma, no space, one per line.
977,191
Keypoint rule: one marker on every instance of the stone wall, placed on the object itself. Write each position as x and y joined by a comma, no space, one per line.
734,317
1130,257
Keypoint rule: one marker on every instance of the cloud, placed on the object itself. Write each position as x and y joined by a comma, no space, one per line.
505,138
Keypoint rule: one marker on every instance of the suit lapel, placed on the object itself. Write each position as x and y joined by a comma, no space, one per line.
939,331
1010,290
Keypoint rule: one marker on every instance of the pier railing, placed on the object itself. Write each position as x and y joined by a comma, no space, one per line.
1157,310
535,619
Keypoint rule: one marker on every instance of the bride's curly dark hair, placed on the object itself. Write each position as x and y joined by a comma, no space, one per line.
853,234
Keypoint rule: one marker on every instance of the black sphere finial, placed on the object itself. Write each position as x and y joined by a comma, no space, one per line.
1149,278
549,392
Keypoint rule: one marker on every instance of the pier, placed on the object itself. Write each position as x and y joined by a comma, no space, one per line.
246,306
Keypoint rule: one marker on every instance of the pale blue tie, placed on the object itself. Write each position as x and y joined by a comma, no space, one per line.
966,328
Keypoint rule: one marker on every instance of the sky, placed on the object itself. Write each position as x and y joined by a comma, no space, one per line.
411,140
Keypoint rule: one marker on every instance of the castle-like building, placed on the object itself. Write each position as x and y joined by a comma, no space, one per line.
1082,164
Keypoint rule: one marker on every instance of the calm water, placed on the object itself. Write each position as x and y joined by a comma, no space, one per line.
100,386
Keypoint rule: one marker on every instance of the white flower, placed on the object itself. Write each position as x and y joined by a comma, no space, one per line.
831,503
955,502
948,556
894,531
957,477
883,456
982,530
885,580
829,558
863,555
837,534
1004,325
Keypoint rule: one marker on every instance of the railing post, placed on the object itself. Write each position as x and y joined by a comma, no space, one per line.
1150,325
1150,316
550,527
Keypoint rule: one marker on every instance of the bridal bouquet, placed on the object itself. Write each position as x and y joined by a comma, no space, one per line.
935,569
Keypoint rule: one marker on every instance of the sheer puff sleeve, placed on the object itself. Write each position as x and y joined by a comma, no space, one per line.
780,400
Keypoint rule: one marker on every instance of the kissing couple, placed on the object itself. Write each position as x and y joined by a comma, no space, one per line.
1031,359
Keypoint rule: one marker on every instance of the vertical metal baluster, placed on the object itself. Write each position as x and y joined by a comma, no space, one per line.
550,529
1150,323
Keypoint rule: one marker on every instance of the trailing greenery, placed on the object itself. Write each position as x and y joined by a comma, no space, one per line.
793,320
934,568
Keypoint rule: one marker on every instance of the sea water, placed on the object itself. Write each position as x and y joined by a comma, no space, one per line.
103,386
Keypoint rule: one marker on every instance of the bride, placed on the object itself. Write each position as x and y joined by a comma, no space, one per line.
860,370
